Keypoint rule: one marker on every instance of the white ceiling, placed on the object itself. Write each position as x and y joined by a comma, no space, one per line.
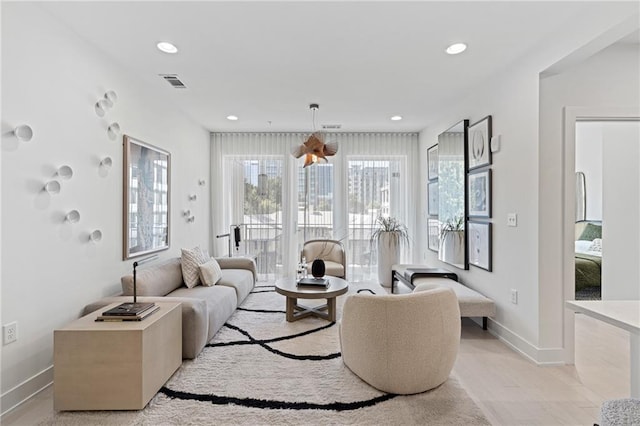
361,61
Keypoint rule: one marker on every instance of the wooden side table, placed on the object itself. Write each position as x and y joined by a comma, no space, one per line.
115,365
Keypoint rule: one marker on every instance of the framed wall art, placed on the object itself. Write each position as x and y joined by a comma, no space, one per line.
432,190
479,234
146,201
479,193
432,162
479,150
433,233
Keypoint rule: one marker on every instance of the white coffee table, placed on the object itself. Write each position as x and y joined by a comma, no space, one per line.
289,288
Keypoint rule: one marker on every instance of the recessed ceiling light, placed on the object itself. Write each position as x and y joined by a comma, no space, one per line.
167,47
396,118
232,117
456,48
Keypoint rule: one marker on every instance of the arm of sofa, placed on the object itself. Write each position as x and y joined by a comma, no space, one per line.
238,263
195,320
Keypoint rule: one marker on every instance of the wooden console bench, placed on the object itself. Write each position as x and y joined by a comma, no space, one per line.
472,303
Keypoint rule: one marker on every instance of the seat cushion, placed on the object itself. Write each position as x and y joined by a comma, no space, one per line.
241,280
472,303
333,268
221,302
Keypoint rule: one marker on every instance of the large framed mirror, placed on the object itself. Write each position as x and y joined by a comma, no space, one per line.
147,171
452,207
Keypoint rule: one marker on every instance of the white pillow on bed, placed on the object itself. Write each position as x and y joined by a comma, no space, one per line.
583,246
596,245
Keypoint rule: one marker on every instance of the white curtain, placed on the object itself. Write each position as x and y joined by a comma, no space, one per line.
227,185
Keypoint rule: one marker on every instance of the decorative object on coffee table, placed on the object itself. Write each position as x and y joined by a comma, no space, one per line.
318,268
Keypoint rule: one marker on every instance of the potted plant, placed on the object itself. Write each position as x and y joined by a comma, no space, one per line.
390,235
452,241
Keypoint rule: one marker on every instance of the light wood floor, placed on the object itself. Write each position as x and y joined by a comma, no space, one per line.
510,389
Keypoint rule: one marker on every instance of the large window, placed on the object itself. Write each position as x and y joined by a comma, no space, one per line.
259,185
372,187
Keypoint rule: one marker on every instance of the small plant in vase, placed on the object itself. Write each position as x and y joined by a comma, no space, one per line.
390,235
452,241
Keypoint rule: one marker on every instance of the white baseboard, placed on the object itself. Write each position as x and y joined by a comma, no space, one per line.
543,357
25,390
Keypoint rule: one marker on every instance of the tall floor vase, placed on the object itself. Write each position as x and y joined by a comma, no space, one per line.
388,255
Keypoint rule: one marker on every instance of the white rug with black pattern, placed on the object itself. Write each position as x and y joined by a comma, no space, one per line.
261,369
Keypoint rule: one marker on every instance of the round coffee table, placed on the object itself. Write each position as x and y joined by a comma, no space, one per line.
289,288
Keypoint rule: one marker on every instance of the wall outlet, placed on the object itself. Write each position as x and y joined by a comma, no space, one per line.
514,296
512,219
10,333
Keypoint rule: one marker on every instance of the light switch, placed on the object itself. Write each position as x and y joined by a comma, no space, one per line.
512,219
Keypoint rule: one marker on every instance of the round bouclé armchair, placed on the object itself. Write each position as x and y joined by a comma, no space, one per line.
401,344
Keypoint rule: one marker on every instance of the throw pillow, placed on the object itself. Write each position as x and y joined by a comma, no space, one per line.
190,261
596,245
210,272
591,232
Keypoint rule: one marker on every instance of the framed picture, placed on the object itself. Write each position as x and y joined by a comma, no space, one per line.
433,233
479,146
479,237
146,201
432,162
432,190
479,194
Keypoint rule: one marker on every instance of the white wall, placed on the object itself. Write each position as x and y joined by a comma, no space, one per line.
589,162
621,210
610,78
51,80
527,176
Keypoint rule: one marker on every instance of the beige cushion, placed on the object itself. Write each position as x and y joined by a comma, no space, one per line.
331,251
472,303
210,272
241,280
154,279
191,260
401,344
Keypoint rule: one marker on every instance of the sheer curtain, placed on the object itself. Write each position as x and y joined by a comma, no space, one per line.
341,196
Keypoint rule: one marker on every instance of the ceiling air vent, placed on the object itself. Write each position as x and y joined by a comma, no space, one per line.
331,126
173,80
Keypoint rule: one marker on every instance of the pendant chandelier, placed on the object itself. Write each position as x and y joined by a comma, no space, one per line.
315,148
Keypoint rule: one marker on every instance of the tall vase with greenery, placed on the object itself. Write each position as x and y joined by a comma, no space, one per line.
390,235
452,241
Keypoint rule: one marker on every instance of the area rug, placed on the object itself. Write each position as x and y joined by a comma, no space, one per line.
261,369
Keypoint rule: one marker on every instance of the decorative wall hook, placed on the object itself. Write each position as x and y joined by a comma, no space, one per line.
193,197
64,172
106,162
201,182
191,219
52,187
23,132
113,130
73,216
186,213
95,236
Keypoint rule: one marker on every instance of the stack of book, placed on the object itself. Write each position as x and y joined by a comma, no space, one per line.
313,282
128,312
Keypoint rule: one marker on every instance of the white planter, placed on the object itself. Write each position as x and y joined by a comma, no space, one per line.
452,250
388,255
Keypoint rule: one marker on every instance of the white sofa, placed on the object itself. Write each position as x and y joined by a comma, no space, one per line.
204,309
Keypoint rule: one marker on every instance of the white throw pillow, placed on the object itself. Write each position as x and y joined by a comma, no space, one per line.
596,245
210,273
190,262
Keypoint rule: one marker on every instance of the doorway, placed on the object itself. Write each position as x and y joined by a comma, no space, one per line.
620,206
